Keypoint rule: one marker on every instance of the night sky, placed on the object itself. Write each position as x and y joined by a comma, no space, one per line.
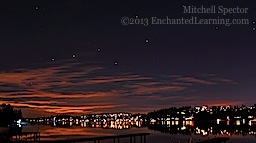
76,57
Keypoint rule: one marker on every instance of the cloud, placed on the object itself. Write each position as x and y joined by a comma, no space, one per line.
215,78
142,88
223,80
59,109
58,87
46,102
194,80
59,96
210,103
108,79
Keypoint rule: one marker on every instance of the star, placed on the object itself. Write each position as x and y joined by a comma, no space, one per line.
53,59
146,40
73,55
36,7
253,28
136,16
98,49
253,22
115,63
216,27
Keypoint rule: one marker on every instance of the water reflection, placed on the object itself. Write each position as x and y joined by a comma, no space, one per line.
62,129
188,127
204,128
8,134
120,125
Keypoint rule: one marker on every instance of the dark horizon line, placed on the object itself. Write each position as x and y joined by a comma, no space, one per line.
142,113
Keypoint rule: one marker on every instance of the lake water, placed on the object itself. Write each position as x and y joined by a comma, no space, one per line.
49,132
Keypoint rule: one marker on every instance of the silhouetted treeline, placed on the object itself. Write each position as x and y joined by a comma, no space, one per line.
8,115
171,112
205,113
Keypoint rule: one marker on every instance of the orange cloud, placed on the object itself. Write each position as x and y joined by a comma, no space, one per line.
58,109
51,85
58,95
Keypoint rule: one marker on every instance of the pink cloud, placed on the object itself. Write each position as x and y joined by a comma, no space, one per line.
228,81
194,80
